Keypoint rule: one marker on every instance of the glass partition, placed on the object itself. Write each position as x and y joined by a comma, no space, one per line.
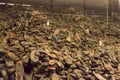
59,40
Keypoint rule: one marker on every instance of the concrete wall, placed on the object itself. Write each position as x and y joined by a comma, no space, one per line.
89,3
98,3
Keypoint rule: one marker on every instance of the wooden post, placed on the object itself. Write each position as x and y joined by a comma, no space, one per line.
107,18
119,7
51,5
84,7
6,2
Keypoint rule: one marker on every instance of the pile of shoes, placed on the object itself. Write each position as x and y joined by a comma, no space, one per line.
36,45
